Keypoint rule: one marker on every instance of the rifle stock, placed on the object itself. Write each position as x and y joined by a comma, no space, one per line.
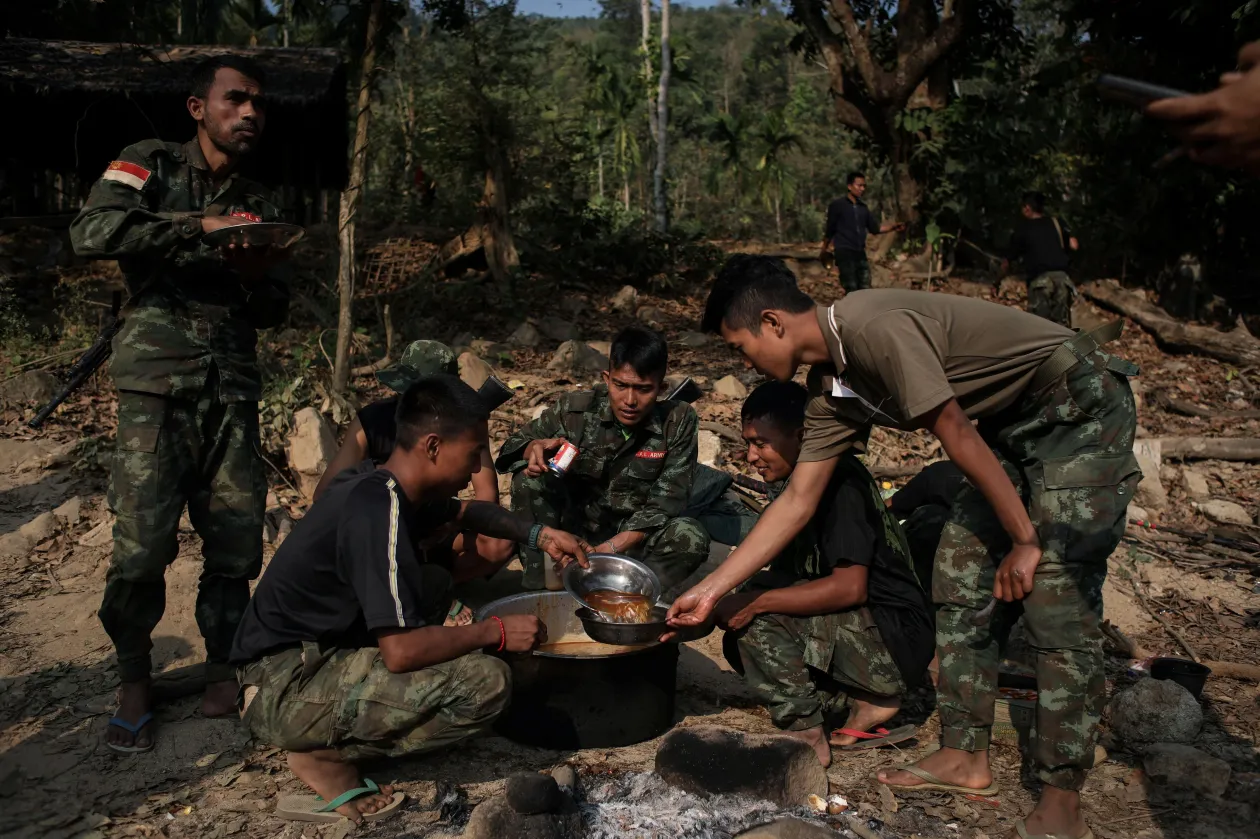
85,366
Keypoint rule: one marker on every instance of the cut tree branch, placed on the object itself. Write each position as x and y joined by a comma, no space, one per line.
1210,448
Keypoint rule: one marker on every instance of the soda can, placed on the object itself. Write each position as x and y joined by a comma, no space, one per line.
563,458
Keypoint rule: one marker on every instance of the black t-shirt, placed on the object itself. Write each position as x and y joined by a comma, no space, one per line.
347,569
851,526
1037,242
380,426
936,484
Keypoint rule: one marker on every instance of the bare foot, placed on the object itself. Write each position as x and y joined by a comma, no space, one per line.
133,703
953,766
816,738
325,772
1057,813
219,699
865,714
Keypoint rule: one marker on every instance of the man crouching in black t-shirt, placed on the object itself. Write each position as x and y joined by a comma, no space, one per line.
342,654
840,613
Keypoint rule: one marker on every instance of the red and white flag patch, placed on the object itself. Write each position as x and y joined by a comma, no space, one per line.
245,215
651,455
127,173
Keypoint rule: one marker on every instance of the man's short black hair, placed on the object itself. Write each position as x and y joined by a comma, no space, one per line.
782,404
746,286
440,404
205,71
643,349
853,176
1034,201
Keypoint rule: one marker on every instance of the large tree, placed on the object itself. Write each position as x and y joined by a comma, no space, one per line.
879,56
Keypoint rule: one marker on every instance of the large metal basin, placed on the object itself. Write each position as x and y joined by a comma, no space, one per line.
578,694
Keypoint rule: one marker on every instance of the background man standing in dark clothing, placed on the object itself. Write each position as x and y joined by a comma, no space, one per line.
186,369
1042,243
848,222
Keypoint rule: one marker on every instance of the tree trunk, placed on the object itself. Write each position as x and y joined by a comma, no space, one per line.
778,217
662,121
497,238
599,155
350,198
625,192
645,8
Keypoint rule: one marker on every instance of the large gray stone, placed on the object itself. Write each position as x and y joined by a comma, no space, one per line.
34,387
577,358
558,329
788,829
1224,512
1185,768
1151,493
651,315
495,819
530,793
1195,483
626,300
712,760
44,526
70,510
730,387
710,449
311,446
473,370
525,335
1155,711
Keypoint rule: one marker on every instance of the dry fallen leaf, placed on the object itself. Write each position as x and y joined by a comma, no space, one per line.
887,801
206,760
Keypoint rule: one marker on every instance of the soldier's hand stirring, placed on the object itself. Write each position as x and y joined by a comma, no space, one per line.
564,547
522,633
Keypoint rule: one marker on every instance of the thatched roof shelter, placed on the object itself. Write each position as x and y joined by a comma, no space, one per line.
72,105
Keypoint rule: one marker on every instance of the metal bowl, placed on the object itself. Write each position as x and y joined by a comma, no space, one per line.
624,634
611,572
258,234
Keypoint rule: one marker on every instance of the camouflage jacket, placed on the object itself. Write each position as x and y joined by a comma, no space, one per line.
619,482
187,308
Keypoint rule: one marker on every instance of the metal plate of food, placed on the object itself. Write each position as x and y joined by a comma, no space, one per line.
259,234
609,574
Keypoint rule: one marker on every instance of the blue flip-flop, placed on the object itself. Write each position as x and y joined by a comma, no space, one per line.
313,808
134,729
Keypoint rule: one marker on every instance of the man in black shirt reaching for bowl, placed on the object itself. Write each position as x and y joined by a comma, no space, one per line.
342,654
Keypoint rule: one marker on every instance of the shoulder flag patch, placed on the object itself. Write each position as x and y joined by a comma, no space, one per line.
127,173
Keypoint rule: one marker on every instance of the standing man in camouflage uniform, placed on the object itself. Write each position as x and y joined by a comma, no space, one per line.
1050,471
1042,243
188,382
630,483
840,614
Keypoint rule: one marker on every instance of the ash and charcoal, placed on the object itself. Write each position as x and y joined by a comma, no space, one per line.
642,806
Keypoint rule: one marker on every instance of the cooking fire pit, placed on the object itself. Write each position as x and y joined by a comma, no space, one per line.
574,693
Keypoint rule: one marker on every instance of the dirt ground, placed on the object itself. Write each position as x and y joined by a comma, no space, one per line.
205,778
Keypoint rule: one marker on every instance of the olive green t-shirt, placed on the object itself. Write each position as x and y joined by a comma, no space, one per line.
897,354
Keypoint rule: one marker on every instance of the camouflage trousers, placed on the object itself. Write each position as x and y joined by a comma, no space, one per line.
801,666
1069,453
727,519
1050,295
673,551
347,699
854,270
169,453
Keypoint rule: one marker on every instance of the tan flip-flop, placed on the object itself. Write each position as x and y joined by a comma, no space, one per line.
931,782
313,808
1021,830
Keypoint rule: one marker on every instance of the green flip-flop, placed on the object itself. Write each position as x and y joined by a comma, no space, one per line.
313,808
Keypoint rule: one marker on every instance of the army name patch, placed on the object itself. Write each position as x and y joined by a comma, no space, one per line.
651,455
127,173
246,216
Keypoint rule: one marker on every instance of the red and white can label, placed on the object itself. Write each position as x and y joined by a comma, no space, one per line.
563,458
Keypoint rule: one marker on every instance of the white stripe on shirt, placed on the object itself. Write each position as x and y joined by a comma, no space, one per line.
393,551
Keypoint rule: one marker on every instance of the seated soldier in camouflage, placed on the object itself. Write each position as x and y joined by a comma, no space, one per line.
342,654
370,437
840,613
629,484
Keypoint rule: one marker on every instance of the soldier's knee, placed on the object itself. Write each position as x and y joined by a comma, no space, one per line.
489,680
685,535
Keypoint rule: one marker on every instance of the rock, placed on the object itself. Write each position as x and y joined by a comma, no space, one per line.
538,411
1224,512
710,448
44,526
1012,287
1150,492
566,776
651,315
709,760
788,829
625,300
1195,483
525,335
494,819
14,544
693,339
70,511
462,341
573,306
529,793
576,357
1186,768
731,387
1155,711
473,370
489,349
558,329
604,348
1136,513
311,447
34,387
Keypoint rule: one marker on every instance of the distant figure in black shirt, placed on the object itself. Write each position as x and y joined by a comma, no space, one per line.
342,654
848,222
840,614
1042,244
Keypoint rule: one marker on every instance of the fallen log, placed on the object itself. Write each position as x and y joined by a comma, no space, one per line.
1210,448
1237,346
1189,409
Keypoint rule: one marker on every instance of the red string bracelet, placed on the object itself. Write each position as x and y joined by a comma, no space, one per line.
502,634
